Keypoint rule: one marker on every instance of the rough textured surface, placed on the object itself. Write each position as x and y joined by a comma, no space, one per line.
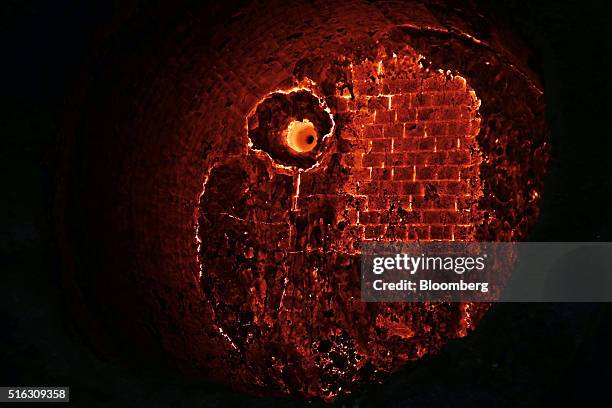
279,245
187,125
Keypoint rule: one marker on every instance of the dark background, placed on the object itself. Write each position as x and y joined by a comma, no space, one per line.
522,354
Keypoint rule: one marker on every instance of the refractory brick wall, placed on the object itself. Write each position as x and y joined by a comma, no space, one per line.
415,162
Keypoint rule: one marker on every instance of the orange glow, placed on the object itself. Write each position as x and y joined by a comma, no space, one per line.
301,136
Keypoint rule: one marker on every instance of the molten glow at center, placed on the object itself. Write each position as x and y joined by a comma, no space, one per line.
301,136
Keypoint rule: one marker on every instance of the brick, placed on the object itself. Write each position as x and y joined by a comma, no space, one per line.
409,85
448,173
437,129
378,203
413,217
306,201
392,86
373,160
374,231
368,187
361,103
359,202
363,118
403,85
394,149
402,173
427,143
309,184
350,187
412,188
416,158
361,174
406,114
451,217
384,216
438,158
452,113
433,83
446,143
436,232
458,98
390,188
432,217
459,157
453,187
444,232
419,233
405,144
420,203
356,231
381,145
426,172
412,234
399,201
431,99
378,103
414,130
428,114
381,174
397,232
468,172
458,129
465,202
385,116
394,159
366,87
358,158
446,201
393,216
394,131
373,131
401,101
353,158
369,217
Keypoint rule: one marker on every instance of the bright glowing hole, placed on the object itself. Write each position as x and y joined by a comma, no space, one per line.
301,136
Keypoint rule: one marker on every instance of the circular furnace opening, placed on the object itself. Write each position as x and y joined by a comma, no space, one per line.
301,136
290,127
